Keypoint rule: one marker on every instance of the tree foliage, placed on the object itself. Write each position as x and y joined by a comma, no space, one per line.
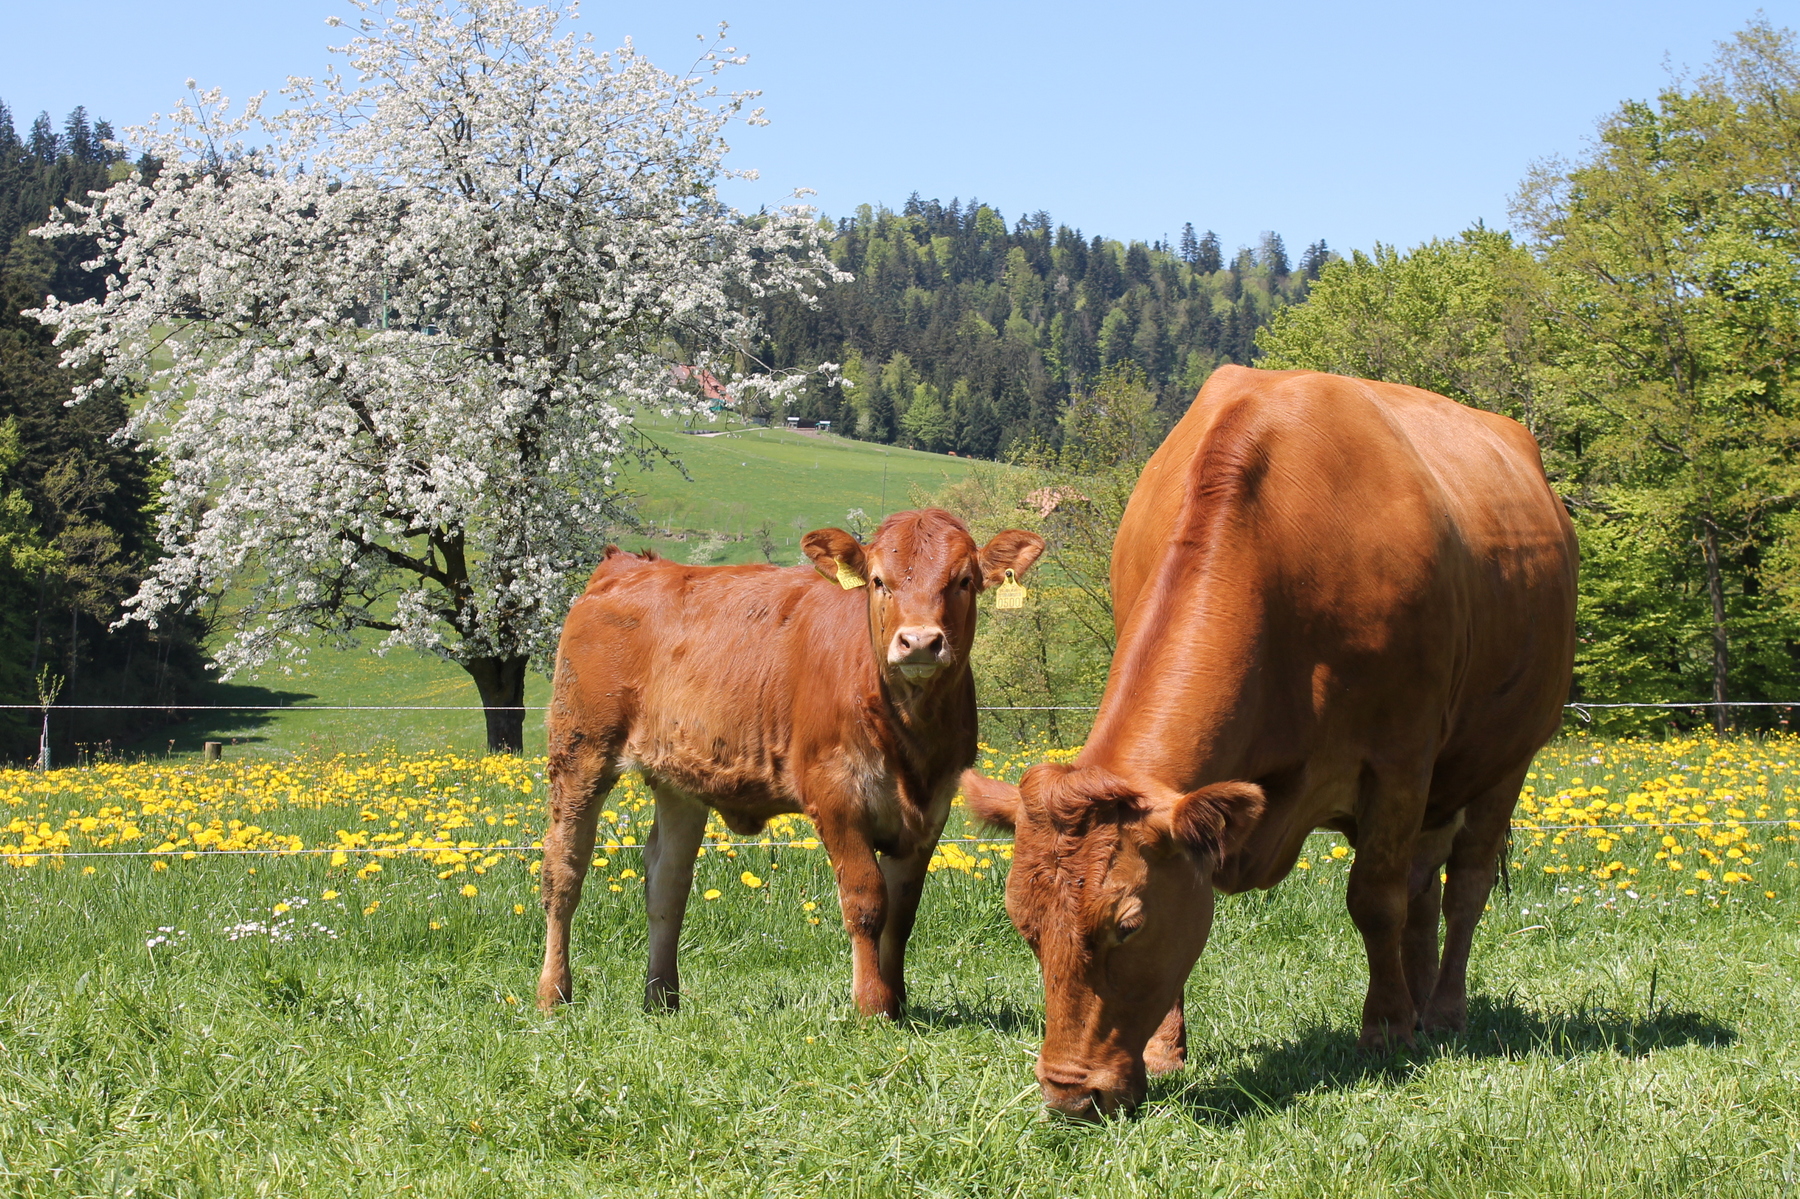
1647,331
75,525
1005,327
389,341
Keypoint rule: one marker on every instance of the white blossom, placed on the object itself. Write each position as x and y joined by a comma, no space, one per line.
388,343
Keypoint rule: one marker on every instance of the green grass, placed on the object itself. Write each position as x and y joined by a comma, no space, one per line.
741,477
735,481
1646,1048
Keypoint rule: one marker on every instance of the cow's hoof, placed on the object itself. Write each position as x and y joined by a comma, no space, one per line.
1164,1062
1385,1039
1445,1022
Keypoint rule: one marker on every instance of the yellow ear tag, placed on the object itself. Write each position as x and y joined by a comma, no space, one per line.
1010,594
848,579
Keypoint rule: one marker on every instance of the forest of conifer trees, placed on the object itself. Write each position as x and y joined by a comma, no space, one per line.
76,520
958,334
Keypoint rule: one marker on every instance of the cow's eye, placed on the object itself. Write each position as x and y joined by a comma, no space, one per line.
967,582
1129,925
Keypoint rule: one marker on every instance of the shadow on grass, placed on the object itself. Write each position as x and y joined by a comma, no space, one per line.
989,1012
1321,1058
187,731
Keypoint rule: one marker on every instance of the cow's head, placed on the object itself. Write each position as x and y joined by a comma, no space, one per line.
1113,891
922,573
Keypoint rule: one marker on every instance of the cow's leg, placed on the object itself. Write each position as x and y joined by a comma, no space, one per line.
669,853
579,783
1474,856
1167,1050
1419,947
862,896
1377,899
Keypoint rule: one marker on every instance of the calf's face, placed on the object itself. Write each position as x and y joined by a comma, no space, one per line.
922,572
1114,896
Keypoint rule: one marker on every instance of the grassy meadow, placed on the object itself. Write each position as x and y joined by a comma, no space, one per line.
796,482
351,1015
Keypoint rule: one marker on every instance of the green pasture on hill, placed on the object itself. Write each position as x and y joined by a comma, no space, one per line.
737,478
740,478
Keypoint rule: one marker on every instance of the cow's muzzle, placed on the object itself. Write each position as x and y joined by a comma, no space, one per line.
919,651
1076,1095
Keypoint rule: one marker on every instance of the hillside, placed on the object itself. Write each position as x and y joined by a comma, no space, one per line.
739,479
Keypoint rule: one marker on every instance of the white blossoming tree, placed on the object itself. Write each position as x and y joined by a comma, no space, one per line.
389,349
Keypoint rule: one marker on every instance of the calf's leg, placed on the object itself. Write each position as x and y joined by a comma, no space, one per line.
905,882
1474,856
578,785
669,853
863,897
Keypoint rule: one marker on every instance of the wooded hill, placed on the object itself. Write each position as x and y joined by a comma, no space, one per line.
958,334
76,514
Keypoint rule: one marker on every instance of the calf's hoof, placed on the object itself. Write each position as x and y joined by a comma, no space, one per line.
552,995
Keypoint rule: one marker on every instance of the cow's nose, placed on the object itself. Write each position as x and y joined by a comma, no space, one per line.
919,643
1075,1102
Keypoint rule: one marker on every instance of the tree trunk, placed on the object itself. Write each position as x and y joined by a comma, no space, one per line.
1721,655
501,684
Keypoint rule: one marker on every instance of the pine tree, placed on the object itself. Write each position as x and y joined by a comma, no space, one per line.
1190,245
1272,256
1315,258
1208,259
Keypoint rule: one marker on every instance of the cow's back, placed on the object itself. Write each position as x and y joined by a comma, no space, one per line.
1316,571
699,674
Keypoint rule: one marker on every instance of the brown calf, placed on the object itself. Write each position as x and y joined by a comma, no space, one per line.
761,690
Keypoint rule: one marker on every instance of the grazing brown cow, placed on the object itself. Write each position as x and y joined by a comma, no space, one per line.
759,690
1343,605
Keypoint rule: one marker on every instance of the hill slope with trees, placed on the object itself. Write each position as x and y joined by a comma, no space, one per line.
961,334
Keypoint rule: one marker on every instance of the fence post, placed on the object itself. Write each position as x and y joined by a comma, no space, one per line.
214,750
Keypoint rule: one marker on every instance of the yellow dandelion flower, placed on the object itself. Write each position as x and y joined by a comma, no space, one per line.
435,926
160,865
468,891
329,895
370,910
749,880
711,893
518,909
808,906
281,907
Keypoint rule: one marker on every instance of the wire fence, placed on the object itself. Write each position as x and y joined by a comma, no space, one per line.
1580,709
1577,707
810,844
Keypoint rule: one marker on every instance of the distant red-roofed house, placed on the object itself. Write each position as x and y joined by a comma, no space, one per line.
709,386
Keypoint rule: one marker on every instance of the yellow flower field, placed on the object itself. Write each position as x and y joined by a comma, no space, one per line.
1624,818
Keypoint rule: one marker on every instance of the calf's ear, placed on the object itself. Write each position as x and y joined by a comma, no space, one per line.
1214,821
991,801
1010,549
836,555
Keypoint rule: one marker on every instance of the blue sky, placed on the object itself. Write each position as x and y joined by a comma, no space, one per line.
1355,123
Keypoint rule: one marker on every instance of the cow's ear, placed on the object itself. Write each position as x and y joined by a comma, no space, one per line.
1214,821
991,801
837,555
1010,549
